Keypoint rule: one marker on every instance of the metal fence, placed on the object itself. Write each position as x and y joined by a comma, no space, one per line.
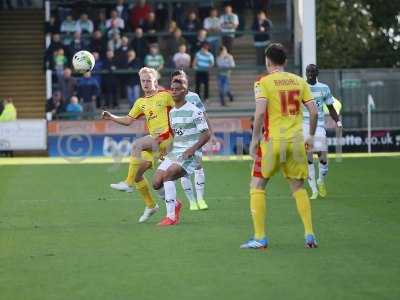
353,86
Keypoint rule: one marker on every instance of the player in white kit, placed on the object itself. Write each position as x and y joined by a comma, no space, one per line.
191,132
199,176
322,95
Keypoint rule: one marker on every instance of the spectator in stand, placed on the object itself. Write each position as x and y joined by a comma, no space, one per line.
191,25
113,31
121,54
122,10
229,23
98,43
84,25
181,59
198,42
88,90
213,26
98,67
68,28
109,80
77,44
150,27
52,26
115,21
139,44
54,46
8,112
139,13
101,22
202,63
240,7
161,10
133,80
225,63
172,44
115,42
60,62
154,59
179,13
74,109
67,84
55,105
121,58
55,43
172,26
262,36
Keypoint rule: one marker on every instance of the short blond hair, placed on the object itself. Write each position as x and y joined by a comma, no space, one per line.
146,70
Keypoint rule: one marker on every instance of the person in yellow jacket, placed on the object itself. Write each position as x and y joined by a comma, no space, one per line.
9,112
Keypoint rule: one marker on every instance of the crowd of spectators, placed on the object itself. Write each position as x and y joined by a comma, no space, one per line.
124,37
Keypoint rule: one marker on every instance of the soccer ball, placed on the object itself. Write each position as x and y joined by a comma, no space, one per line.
83,61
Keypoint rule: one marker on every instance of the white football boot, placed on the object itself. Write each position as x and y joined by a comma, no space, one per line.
121,186
314,195
148,212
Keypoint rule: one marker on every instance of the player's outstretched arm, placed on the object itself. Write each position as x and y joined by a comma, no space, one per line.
261,107
203,139
124,120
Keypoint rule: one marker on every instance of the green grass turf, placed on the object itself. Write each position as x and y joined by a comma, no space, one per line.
64,234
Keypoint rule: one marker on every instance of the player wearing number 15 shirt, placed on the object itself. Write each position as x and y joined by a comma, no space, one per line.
283,121
278,142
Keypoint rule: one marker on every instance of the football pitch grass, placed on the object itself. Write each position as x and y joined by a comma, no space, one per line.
64,234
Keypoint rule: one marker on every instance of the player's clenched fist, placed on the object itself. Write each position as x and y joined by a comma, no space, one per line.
309,143
106,115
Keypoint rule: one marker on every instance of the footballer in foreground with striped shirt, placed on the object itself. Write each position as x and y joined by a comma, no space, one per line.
191,133
197,203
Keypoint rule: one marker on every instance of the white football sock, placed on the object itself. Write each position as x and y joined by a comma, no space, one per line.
170,198
199,180
311,178
323,171
188,188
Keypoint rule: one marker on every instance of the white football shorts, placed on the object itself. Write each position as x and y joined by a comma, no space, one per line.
189,165
320,142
